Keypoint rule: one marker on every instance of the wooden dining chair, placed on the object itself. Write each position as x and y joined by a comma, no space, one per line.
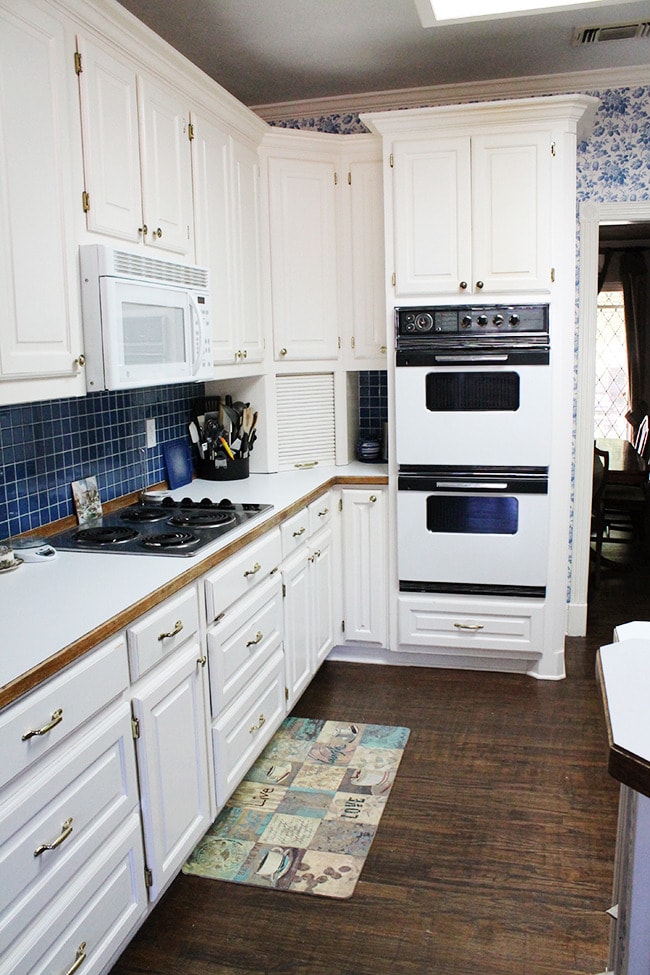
600,472
626,505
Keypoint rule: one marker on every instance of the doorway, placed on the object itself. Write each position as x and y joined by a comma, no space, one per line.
630,218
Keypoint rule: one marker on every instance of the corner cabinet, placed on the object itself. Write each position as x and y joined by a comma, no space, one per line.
473,193
40,337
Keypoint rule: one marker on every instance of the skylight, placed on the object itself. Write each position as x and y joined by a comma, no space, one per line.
436,12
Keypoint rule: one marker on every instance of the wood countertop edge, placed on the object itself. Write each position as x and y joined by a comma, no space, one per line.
58,661
622,765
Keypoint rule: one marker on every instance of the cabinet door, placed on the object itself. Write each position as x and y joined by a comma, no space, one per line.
321,570
165,156
297,611
511,212
432,216
170,706
367,287
365,565
303,258
213,230
111,151
247,246
40,334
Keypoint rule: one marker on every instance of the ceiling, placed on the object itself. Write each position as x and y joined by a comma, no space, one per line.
273,51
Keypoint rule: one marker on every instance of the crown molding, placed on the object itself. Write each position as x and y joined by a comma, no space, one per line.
554,84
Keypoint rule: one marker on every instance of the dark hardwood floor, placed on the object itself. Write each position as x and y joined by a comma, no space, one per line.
494,855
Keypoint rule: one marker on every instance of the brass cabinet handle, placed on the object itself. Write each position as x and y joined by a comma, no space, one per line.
178,626
479,285
309,463
80,958
463,285
143,229
57,718
325,511
251,572
383,349
469,626
314,556
66,829
157,233
258,636
202,661
283,352
244,353
256,727
80,360
373,498
301,531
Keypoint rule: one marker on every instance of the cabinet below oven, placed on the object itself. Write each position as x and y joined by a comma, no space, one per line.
492,633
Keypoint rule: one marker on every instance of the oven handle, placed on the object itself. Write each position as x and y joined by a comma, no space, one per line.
471,486
471,358
432,484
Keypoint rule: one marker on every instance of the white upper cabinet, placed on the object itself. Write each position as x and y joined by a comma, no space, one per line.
137,156
40,336
227,226
475,195
303,252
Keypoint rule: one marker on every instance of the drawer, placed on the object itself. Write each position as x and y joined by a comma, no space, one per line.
33,726
73,805
160,632
245,728
241,573
320,512
458,623
243,641
295,532
91,917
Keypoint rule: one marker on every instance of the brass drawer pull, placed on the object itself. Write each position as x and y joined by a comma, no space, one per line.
309,463
251,572
57,718
202,661
259,636
325,511
80,958
469,626
256,727
66,829
373,498
178,626
301,531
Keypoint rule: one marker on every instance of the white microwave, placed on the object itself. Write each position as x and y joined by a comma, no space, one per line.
146,321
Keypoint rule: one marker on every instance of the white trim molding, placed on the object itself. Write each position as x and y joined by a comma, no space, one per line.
591,216
555,84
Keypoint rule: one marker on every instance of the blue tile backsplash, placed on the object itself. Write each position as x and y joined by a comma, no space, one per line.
47,445
373,404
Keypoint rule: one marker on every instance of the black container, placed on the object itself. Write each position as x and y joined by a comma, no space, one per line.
234,470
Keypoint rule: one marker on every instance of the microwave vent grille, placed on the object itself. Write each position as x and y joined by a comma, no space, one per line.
154,269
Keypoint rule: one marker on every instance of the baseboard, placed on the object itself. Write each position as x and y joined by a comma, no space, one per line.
576,619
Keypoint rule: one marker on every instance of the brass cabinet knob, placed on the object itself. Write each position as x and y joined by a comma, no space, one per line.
463,285
479,285
283,352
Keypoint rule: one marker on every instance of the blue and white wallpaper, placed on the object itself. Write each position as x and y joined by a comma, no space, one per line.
46,445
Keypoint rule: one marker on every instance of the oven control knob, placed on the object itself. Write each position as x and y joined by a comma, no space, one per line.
482,320
498,320
424,322
514,320
466,321
408,322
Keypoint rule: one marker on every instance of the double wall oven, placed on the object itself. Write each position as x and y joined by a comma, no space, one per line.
472,402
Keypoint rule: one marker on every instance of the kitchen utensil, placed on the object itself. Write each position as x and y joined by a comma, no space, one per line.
194,437
33,549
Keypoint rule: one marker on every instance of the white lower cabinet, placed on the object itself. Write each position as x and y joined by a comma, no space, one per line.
365,565
170,721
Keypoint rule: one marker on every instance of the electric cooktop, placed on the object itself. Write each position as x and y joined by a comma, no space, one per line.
158,527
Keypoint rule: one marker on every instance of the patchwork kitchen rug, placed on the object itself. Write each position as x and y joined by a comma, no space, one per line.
306,814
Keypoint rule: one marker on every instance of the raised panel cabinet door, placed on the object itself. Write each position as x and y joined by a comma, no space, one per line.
303,243
40,330
511,211
213,230
248,252
367,262
111,150
432,216
297,618
165,155
170,706
365,565
322,595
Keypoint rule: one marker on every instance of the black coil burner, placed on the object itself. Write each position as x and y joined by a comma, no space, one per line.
105,535
162,541
143,514
203,518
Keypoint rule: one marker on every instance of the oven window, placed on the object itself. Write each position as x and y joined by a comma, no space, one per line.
472,514
472,391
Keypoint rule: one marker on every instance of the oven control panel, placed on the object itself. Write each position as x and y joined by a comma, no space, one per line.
471,320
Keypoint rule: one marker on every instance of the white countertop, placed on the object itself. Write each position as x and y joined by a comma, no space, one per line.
47,606
625,670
